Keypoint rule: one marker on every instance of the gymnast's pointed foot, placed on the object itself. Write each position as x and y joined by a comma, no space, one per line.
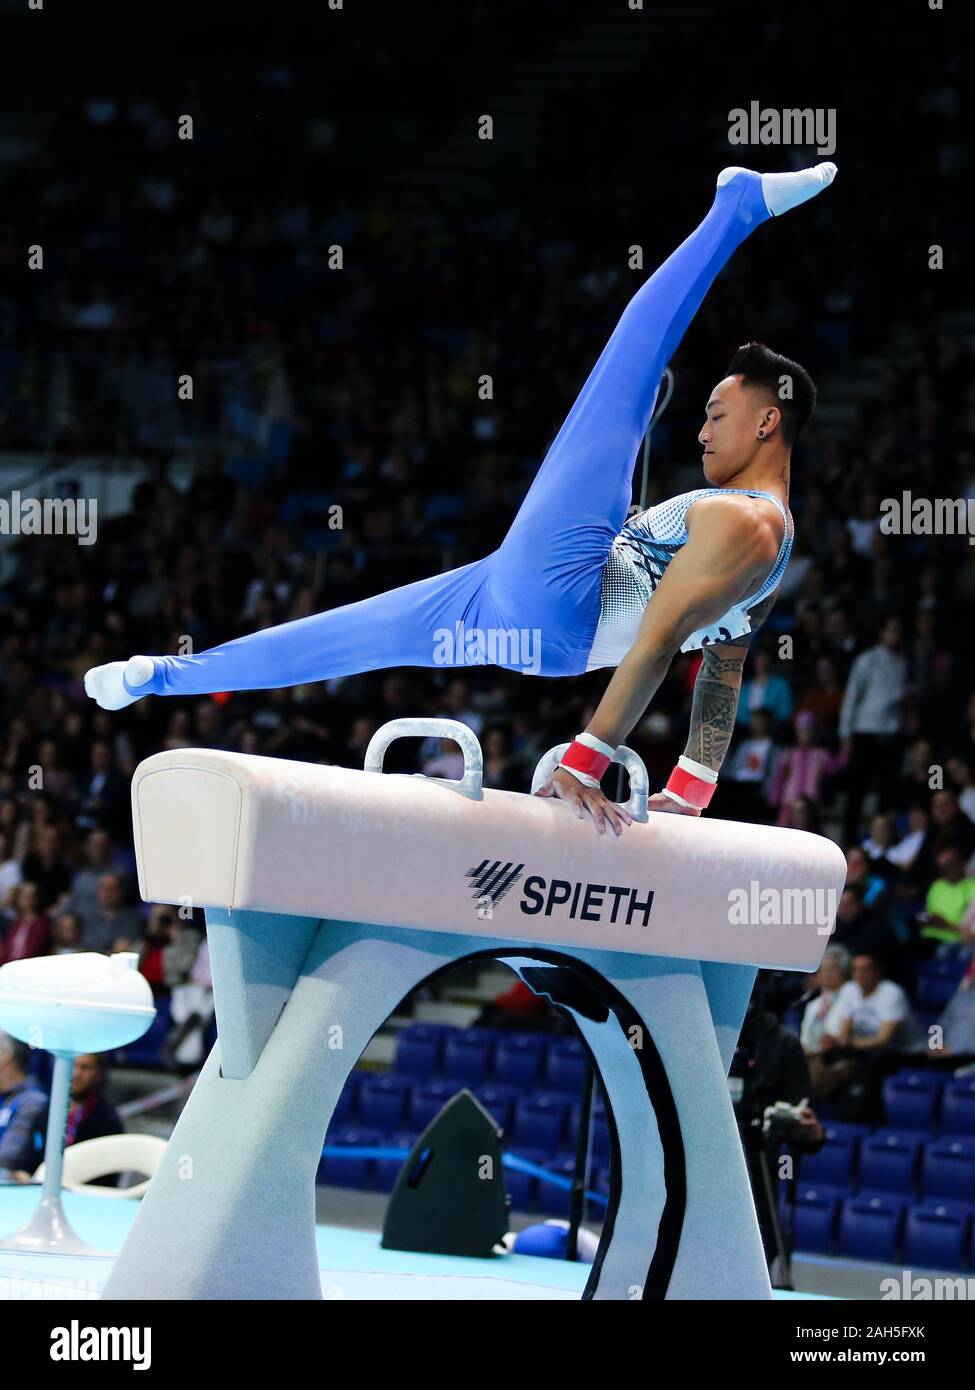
780,192
111,686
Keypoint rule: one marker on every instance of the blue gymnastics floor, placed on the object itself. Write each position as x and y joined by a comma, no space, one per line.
353,1264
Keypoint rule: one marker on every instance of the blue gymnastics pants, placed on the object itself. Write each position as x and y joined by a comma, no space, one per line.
533,604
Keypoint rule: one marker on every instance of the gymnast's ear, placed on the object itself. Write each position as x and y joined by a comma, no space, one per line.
769,422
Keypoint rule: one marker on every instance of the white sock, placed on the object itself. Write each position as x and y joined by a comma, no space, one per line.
139,669
104,683
784,191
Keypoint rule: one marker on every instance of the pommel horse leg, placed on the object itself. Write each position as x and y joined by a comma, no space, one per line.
298,862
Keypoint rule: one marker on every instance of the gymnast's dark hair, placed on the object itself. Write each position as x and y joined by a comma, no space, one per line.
790,386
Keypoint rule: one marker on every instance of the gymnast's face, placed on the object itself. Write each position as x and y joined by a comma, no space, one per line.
733,417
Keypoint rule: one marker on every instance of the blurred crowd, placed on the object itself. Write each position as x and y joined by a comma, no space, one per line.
316,387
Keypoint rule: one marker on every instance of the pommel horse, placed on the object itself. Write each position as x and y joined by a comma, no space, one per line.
330,894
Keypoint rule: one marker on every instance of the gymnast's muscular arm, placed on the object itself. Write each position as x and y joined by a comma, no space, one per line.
729,551
714,708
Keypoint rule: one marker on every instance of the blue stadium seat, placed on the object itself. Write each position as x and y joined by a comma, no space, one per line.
835,1163
927,1018
869,1227
552,1200
522,1188
888,1161
814,1218
419,1048
600,1132
539,1122
518,1058
147,1050
934,991
41,1068
565,1066
958,1107
935,1238
499,1102
948,1169
468,1053
599,1181
337,1170
387,1170
922,1076
910,1103
846,1129
428,1100
348,1101
383,1101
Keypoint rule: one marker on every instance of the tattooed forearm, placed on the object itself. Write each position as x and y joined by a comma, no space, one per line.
716,691
715,705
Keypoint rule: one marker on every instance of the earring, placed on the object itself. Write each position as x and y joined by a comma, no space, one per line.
761,434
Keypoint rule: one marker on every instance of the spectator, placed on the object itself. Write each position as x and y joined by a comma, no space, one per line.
186,971
905,851
960,772
30,933
448,762
90,1115
11,875
112,926
101,857
880,842
946,823
802,769
804,815
913,786
23,1112
105,798
67,933
957,1022
764,690
829,979
864,932
182,948
750,771
868,1030
947,899
871,721
46,867
860,871
156,941
823,698
498,770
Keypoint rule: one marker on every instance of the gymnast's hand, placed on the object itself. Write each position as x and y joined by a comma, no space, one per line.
586,801
666,803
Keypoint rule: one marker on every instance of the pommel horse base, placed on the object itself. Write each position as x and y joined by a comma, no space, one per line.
330,894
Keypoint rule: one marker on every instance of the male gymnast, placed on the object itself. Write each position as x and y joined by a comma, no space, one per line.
571,568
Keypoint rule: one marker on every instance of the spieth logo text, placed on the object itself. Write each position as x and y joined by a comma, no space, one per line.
493,879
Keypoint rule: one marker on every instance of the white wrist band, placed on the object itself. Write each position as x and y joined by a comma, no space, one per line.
704,774
596,744
679,799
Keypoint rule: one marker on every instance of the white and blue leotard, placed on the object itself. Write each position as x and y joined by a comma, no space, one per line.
635,565
565,587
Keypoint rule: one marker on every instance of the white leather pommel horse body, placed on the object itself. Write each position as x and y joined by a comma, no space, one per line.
331,893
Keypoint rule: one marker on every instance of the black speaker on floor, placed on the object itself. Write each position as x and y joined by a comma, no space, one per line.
450,1198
